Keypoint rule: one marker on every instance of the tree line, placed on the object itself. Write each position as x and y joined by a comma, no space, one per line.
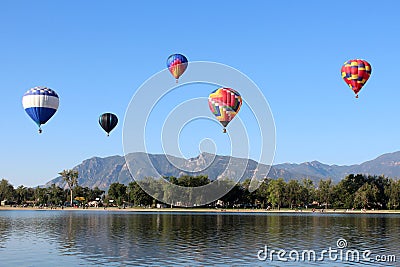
354,191
51,196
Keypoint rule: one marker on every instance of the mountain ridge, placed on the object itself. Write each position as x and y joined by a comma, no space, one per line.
103,171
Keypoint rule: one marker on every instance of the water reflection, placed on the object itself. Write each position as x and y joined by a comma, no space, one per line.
5,225
164,239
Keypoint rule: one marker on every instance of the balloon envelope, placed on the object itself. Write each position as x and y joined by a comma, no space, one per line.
177,65
40,103
108,121
356,73
224,103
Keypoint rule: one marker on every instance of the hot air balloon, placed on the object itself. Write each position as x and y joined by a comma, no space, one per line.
224,103
177,65
356,73
108,121
40,103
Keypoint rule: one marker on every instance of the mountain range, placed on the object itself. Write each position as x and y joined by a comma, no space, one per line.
102,172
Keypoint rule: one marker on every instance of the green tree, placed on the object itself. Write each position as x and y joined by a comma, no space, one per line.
392,193
261,194
307,191
30,194
276,192
193,181
55,194
236,195
41,196
138,196
293,192
347,187
7,191
325,192
381,182
82,193
171,179
117,192
94,193
366,196
71,178
21,193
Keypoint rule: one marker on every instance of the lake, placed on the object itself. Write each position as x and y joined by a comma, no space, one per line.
118,238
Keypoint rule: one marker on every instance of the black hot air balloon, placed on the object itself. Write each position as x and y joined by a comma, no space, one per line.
108,121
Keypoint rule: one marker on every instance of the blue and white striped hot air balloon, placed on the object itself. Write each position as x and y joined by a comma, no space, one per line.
40,103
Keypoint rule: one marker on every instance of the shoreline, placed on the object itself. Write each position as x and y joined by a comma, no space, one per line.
204,210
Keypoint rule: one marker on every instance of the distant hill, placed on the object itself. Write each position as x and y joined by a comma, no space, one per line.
386,164
102,172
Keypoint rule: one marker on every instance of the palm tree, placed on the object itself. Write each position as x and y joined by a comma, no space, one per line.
21,193
71,178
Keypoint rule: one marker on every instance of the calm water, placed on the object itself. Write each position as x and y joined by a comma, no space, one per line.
106,238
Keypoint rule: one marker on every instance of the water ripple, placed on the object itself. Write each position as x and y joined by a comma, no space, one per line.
96,238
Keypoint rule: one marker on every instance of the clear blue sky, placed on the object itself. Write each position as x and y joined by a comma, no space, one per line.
95,54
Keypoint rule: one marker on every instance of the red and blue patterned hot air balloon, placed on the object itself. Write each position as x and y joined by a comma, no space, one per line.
40,103
177,65
356,73
224,103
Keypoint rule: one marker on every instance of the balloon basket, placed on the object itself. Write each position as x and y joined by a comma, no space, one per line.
224,130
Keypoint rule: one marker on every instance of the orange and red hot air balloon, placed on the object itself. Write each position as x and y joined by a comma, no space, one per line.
356,73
